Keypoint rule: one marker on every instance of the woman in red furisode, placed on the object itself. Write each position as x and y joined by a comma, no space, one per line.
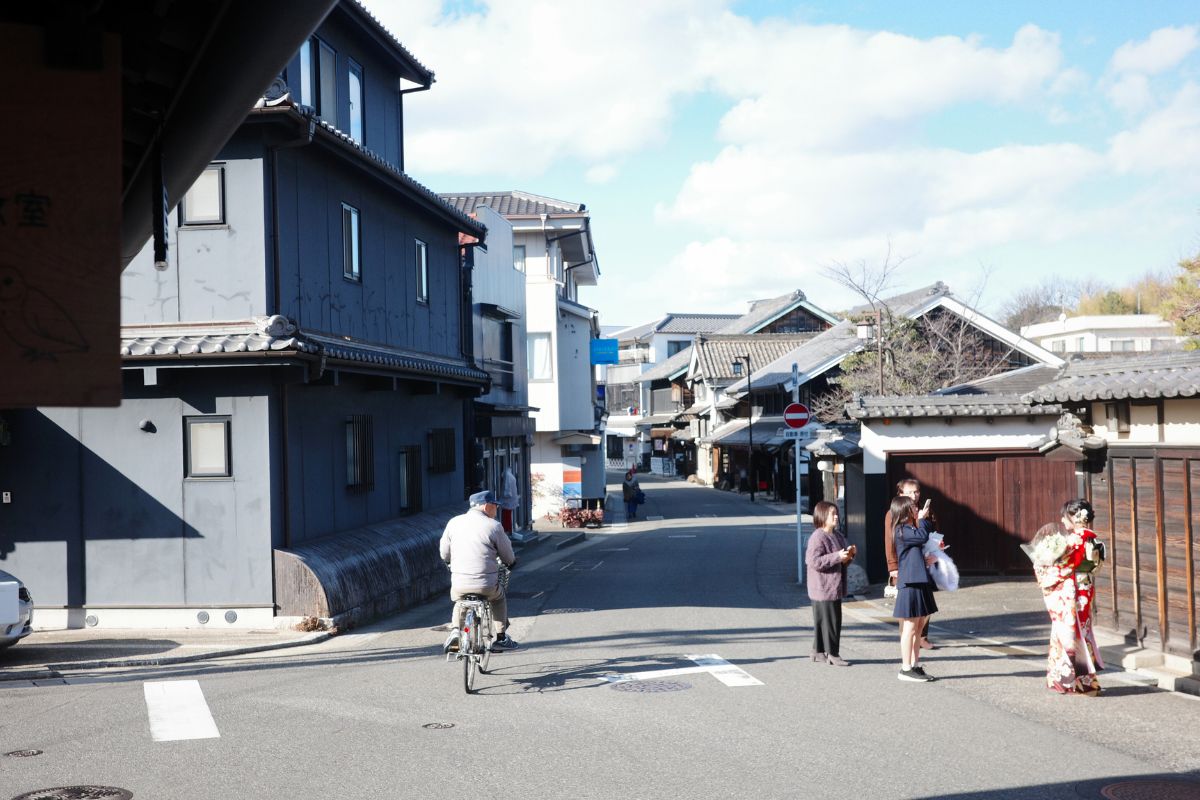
1064,557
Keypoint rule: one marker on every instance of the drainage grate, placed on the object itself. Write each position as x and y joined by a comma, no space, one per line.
437,726
651,687
78,793
24,753
566,610
1151,790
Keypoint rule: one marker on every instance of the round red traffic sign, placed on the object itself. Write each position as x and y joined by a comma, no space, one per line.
795,415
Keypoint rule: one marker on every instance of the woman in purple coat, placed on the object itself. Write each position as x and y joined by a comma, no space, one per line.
827,556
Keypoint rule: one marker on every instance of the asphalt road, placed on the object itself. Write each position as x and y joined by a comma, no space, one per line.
349,718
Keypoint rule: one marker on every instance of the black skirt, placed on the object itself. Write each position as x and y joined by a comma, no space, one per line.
914,600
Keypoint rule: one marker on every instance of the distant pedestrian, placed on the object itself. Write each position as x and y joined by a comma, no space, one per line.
510,498
914,597
827,556
630,488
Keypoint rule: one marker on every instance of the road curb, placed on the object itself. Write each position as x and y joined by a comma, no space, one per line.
56,670
576,539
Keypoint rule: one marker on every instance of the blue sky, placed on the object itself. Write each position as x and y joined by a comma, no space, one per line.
730,151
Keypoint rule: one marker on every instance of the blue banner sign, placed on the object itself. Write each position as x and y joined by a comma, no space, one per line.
604,351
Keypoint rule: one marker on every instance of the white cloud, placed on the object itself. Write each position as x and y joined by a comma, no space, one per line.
1164,49
1168,139
601,173
1131,93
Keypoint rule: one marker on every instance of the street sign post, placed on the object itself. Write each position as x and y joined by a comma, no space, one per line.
795,417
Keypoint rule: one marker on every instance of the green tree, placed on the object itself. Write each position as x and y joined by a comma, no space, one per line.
1181,304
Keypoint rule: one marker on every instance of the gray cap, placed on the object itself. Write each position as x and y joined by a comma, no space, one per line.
481,498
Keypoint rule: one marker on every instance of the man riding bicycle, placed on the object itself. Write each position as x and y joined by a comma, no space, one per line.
470,546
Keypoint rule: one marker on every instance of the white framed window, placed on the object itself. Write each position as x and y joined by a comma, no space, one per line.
206,447
204,203
1058,346
422,261
519,257
355,84
1123,345
351,243
541,360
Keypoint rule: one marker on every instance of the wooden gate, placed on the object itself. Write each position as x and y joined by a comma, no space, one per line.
988,503
1148,515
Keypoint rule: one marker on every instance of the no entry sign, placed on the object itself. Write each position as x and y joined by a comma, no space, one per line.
795,415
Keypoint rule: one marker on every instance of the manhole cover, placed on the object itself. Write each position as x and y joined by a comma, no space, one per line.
651,687
1152,790
78,793
566,610
437,726
24,753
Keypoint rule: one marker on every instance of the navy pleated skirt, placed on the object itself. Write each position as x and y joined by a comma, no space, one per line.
914,600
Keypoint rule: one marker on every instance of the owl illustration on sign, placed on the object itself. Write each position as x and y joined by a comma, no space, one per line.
35,321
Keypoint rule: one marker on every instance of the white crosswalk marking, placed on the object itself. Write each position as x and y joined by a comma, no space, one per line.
178,711
727,673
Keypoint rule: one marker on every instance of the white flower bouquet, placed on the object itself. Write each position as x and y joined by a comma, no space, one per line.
1046,549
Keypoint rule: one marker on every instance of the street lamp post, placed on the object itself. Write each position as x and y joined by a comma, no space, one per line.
737,371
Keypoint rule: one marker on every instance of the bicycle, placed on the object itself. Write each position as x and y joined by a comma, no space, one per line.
477,634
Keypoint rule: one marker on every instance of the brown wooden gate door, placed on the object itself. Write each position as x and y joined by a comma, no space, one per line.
1147,512
987,504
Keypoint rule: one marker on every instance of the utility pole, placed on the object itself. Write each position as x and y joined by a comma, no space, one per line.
879,344
737,368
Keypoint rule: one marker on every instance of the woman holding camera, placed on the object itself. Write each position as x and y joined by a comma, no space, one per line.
827,557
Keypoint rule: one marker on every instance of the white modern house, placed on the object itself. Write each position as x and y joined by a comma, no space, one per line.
1105,333
627,400
552,246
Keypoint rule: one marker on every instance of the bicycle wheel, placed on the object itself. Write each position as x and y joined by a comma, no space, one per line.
488,635
469,650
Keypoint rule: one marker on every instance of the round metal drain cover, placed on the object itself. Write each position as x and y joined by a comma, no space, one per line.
1152,790
91,620
437,726
231,616
24,753
202,618
78,793
651,687
566,610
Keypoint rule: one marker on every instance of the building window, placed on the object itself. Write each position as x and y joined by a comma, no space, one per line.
1117,418
1123,345
318,78
441,450
541,363
1058,346
351,243
206,447
355,82
519,257
1080,344
422,272
204,203
675,345
408,479
360,453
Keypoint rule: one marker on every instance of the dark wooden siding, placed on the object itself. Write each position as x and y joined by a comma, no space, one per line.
987,504
1147,512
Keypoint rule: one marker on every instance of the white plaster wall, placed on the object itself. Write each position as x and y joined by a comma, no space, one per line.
967,434
658,344
541,308
546,470
1181,418
575,387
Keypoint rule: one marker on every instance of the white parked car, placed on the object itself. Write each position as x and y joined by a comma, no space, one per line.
16,610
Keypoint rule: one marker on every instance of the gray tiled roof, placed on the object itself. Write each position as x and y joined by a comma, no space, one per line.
1169,375
716,353
953,405
694,323
512,204
905,303
764,311
1017,381
826,349
421,70
196,341
665,369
